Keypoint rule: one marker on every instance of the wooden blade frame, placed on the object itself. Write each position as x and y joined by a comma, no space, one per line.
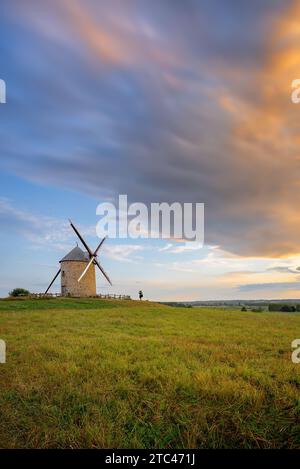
99,246
91,254
56,275
81,239
86,269
102,270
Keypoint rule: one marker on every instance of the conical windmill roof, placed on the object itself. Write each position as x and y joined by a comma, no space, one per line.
76,254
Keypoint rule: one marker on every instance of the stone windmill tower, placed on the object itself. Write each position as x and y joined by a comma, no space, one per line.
77,269
72,266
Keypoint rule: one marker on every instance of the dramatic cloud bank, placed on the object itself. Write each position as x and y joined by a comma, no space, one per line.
163,101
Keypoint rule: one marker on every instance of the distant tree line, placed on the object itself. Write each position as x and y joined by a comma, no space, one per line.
288,308
176,304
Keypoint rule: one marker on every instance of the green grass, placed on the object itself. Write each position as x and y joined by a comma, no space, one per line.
123,374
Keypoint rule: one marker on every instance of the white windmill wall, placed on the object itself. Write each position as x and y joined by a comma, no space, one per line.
70,272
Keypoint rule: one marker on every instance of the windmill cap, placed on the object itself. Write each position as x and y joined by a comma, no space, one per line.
76,254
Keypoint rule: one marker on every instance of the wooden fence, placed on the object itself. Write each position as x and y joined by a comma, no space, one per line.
105,296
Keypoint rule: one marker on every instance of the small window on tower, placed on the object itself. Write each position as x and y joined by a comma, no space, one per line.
63,273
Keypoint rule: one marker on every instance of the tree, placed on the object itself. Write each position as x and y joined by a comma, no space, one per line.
141,295
288,308
244,308
19,292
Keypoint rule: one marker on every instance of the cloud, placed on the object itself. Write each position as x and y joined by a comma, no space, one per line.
173,248
166,247
41,231
188,246
123,252
276,286
281,269
149,100
51,233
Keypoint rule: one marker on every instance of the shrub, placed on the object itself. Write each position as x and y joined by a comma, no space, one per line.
19,292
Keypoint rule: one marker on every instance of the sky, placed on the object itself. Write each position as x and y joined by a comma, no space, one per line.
163,101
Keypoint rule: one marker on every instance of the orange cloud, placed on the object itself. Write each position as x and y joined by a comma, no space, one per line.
265,140
104,44
115,40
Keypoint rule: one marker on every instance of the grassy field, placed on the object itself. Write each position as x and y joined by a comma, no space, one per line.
124,374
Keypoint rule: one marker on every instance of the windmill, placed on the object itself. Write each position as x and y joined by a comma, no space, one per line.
78,270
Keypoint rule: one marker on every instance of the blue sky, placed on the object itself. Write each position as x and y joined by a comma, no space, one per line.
162,101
